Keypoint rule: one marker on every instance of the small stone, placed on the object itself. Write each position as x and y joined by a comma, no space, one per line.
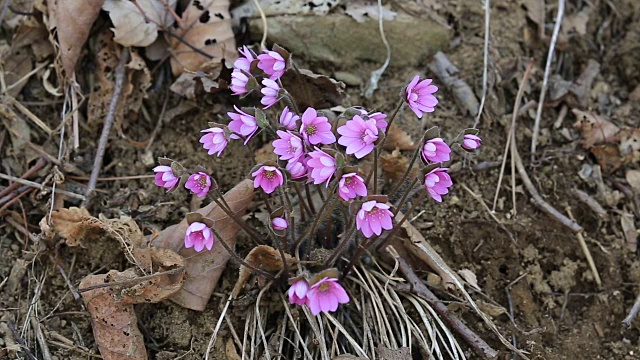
348,78
15,247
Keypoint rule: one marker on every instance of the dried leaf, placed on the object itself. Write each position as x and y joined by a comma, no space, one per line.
204,268
420,247
207,29
264,258
113,318
264,154
107,56
629,145
470,277
73,20
593,128
535,12
285,7
360,11
394,164
633,178
491,309
210,80
131,27
398,138
608,156
402,353
73,224
315,90
16,64
627,222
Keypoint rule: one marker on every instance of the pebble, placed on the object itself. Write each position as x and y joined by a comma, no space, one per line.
348,78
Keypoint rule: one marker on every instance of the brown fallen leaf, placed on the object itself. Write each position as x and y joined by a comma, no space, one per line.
398,138
137,23
204,35
608,156
314,90
73,224
593,128
264,258
264,154
633,179
113,318
204,268
394,165
72,20
627,222
629,145
491,309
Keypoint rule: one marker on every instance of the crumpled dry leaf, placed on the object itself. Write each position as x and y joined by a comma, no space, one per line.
210,80
608,157
265,153
133,26
207,29
470,277
627,222
398,138
576,22
73,224
491,309
204,268
73,20
315,90
16,64
360,11
394,165
264,258
633,179
593,128
113,318
402,353
416,244
283,7
629,145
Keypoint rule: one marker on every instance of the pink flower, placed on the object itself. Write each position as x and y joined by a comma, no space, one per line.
325,295
297,169
437,182
419,96
436,150
471,142
350,186
289,119
270,93
379,117
199,183
279,223
316,129
373,217
198,237
322,166
268,178
273,64
239,82
165,177
288,146
243,124
244,62
358,136
298,292
215,140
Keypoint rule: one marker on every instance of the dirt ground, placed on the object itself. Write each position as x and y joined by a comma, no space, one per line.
531,265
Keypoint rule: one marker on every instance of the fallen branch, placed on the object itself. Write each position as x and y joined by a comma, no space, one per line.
472,339
446,72
586,252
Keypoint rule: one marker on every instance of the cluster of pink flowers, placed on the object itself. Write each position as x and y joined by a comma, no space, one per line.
312,150
323,296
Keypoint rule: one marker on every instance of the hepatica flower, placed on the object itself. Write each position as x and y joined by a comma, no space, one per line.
165,177
373,217
358,136
279,223
471,142
214,140
437,182
243,124
198,237
297,169
316,129
322,166
288,146
269,93
436,150
289,119
273,64
199,183
326,295
419,96
379,117
239,82
350,186
298,292
268,178
244,61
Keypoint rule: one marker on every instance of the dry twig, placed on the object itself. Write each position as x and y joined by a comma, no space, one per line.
485,68
633,313
587,253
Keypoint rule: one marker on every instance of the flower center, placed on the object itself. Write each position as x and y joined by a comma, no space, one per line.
323,287
310,130
202,182
269,175
348,181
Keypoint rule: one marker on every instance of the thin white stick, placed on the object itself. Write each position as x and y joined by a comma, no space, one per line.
545,79
487,20
377,74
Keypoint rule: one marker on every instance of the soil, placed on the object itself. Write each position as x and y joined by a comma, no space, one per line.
532,265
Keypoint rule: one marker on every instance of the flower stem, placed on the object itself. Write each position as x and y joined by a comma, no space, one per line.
375,170
290,102
356,257
404,218
340,248
393,117
406,173
238,258
243,225
307,189
304,209
404,196
319,217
